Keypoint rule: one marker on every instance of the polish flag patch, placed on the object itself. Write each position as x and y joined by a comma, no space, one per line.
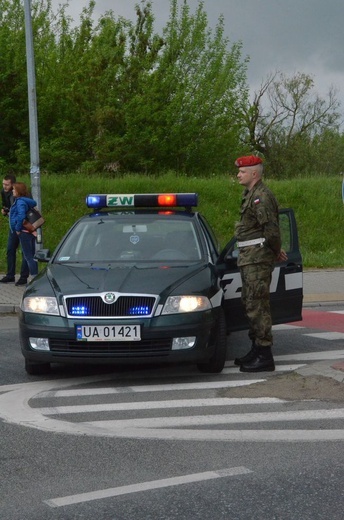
257,201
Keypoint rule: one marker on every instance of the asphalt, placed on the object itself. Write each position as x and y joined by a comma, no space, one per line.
320,287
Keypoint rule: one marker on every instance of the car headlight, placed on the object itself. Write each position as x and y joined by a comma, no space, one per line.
41,305
177,304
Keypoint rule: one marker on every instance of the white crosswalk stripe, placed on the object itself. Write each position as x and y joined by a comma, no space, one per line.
327,335
153,405
202,385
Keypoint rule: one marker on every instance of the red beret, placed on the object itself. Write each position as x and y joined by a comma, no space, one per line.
248,160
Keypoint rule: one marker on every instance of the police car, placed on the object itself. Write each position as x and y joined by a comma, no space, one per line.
141,279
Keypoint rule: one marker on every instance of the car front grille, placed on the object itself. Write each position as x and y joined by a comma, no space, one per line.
124,306
145,347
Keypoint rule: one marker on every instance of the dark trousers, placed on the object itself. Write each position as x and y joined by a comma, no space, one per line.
12,246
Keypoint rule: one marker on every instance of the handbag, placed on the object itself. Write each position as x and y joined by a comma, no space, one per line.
33,220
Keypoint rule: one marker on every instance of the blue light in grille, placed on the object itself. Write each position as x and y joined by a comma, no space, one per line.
139,311
79,310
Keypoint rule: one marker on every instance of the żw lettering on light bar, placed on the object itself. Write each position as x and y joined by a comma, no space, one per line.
145,200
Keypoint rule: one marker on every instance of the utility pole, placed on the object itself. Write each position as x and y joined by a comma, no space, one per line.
33,123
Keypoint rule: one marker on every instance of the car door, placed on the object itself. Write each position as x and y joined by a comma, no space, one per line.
286,292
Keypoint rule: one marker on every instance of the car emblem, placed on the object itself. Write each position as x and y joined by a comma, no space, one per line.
134,239
109,297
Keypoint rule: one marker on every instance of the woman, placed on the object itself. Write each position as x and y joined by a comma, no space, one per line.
22,203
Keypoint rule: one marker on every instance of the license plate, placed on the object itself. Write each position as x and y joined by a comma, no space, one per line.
108,332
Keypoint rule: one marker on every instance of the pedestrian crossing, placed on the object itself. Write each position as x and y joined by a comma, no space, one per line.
191,407
182,404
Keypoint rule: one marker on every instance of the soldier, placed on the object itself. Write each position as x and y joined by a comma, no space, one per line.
259,243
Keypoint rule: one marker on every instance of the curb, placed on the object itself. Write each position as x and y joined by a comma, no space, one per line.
8,309
323,298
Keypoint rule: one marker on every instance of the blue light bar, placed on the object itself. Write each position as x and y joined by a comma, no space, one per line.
79,310
145,200
139,311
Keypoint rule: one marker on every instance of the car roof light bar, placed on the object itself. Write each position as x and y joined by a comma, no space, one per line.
144,200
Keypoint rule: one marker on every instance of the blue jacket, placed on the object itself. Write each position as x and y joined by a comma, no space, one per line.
18,211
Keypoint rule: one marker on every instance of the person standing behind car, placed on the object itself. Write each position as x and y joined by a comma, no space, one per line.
13,239
259,242
22,203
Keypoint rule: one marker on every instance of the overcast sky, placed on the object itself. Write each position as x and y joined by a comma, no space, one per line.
286,35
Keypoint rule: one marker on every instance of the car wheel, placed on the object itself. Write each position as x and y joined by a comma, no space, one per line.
36,369
216,363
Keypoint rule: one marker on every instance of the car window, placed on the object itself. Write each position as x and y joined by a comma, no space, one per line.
210,238
127,239
284,222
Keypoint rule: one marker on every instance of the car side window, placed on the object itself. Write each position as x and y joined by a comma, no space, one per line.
210,238
285,230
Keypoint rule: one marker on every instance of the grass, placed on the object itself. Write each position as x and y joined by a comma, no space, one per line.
317,203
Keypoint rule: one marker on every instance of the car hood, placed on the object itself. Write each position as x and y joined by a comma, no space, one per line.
70,279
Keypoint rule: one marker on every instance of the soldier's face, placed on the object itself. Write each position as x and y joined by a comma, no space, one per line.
247,177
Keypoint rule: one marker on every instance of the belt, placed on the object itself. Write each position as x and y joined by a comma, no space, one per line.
254,242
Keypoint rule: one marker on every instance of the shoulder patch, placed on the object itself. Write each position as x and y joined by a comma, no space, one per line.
257,200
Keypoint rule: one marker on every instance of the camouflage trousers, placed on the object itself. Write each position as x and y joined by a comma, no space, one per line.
255,296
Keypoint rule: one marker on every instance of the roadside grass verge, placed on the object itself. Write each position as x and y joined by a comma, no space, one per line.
317,203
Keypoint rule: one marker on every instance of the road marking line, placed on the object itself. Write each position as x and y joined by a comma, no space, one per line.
327,335
146,486
278,368
285,326
312,356
148,388
153,405
226,435
207,420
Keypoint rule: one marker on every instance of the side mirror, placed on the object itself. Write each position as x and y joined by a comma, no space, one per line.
232,255
43,255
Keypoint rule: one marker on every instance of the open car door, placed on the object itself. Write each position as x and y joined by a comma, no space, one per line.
286,291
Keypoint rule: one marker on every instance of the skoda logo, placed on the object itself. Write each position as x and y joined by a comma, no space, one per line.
109,297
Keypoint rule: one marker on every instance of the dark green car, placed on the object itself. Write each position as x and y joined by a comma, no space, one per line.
145,281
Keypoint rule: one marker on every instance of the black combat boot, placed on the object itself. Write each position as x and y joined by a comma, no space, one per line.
263,361
252,354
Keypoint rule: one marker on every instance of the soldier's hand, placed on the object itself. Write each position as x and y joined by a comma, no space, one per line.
282,256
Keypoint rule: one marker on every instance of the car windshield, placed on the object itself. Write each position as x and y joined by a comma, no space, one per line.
129,239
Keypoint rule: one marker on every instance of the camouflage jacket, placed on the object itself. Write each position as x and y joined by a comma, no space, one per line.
259,219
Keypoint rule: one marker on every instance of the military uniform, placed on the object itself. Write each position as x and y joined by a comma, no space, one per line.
259,243
258,226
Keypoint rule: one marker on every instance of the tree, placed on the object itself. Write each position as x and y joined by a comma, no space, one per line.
13,85
286,117
116,94
182,90
186,113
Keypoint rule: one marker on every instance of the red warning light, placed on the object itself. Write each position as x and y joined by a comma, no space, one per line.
167,200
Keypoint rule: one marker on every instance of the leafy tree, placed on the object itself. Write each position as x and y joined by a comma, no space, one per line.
184,116
13,86
116,93
286,120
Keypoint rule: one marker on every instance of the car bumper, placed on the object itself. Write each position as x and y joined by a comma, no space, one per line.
155,345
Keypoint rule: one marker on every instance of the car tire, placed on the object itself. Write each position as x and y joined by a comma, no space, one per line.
216,363
36,369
